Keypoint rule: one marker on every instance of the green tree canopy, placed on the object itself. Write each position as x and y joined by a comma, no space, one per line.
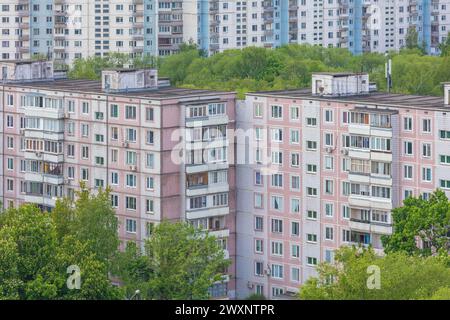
402,277
179,262
428,220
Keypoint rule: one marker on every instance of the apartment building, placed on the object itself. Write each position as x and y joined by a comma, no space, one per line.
70,29
164,151
324,167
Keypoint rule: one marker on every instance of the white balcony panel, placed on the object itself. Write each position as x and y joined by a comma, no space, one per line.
359,153
359,129
220,233
381,156
41,134
381,132
206,167
51,202
44,113
361,178
207,213
206,121
196,191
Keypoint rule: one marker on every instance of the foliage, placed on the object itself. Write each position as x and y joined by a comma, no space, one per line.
402,277
36,248
256,296
179,262
428,220
286,67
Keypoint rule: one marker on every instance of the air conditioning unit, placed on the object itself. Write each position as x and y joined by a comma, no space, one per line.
344,151
250,285
66,115
125,144
329,149
133,168
38,154
22,132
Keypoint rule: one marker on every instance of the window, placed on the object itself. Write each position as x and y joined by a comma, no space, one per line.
329,233
85,107
258,178
259,245
259,223
131,225
114,178
328,161
150,160
277,226
311,145
149,183
259,268
294,136
277,112
445,184
277,248
84,174
329,210
295,229
150,137
444,134
408,148
85,152
311,237
381,192
114,111
277,271
84,130
258,110
277,180
312,122
130,203
131,135
345,212
114,200
131,180
295,182
346,236
407,123
329,139
426,125
99,161
311,168
130,112
149,206
311,215
311,261
426,150
295,113
295,251
277,135
328,115
277,203
329,187
149,114
295,205
258,200
295,274
10,165
295,159
312,192
444,159
408,172
277,157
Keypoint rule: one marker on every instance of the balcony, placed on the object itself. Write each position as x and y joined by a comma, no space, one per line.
206,189
370,226
44,178
192,214
196,168
367,201
40,199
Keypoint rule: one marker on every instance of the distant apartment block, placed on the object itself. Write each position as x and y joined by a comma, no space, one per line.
164,151
70,29
340,157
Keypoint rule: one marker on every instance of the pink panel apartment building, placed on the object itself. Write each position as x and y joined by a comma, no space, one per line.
163,150
340,156
305,172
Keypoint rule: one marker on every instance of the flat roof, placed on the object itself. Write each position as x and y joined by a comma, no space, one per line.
22,61
95,87
340,74
372,98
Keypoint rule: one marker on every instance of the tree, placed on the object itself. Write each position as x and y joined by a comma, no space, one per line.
90,219
428,220
179,262
401,277
36,249
444,47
